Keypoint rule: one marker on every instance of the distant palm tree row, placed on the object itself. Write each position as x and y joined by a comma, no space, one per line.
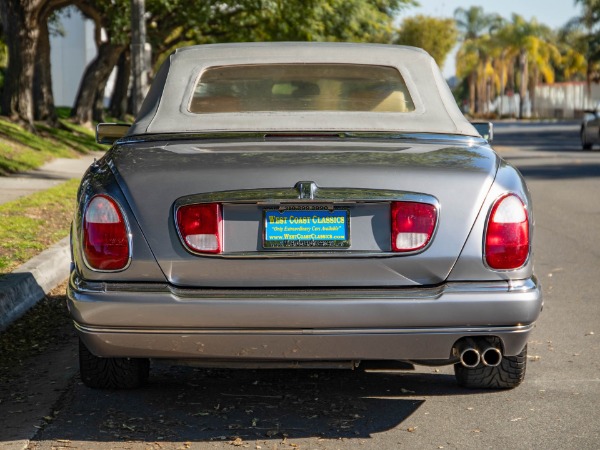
499,56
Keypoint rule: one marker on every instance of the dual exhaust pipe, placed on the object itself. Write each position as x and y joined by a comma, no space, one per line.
471,352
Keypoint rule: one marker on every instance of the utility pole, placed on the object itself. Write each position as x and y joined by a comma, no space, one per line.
139,69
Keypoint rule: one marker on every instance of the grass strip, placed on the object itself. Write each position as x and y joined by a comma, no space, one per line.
22,150
31,224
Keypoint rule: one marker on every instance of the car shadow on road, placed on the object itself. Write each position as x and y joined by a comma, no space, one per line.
560,171
539,135
186,404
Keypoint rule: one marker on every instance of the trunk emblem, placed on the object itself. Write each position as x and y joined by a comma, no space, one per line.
306,189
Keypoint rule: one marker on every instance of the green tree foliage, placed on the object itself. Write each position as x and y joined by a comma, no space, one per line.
3,54
573,44
3,62
183,22
174,23
588,25
436,36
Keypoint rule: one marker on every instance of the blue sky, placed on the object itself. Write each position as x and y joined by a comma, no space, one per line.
553,13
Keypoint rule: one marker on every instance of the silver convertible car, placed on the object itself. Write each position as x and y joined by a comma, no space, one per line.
300,205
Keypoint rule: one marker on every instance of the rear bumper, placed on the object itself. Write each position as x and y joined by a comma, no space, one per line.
161,321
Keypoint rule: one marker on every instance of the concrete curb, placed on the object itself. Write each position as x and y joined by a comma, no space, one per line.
30,282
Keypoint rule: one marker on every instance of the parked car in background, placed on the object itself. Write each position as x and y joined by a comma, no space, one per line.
590,129
301,205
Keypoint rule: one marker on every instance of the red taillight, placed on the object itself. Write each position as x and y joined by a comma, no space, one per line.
105,235
200,227
507,235
412,225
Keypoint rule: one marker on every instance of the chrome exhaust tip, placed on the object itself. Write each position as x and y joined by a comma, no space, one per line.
490,355
468,355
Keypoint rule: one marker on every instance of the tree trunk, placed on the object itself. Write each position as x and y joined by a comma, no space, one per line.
523,83
502,93
118,101
488,95
472,82
96,74
21,30
43,105
480,91
98,111
138,54
534,82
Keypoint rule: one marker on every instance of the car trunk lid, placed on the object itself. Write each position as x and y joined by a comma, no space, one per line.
360,177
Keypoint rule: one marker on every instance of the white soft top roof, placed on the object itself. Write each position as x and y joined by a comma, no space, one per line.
165,109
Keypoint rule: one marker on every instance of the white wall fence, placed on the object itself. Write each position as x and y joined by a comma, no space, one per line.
565,100
558,100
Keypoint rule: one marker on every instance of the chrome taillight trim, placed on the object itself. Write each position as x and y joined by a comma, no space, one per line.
486,226
437,207
127,230
182,239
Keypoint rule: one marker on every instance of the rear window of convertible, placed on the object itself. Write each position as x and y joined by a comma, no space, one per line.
300,87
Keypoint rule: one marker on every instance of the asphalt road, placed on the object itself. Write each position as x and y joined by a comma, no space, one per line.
556,407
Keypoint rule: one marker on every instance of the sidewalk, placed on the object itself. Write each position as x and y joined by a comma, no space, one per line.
28,284
50,174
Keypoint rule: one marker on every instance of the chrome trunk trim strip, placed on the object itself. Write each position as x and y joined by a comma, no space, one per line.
308,135
424,292
274,197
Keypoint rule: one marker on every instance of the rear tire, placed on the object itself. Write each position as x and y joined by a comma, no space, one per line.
507,375
585,145
111,373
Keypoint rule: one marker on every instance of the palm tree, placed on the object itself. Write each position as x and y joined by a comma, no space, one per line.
473,24
573,44
590,21
529,44
477,64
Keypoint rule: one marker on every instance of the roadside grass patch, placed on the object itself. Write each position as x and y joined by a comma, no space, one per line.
22,150
76,137
31,224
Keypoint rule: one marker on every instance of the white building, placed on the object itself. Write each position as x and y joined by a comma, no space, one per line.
70,54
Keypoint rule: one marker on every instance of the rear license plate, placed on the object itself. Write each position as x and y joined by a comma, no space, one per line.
306,226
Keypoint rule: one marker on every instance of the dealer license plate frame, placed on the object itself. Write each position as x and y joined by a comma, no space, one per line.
274,239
